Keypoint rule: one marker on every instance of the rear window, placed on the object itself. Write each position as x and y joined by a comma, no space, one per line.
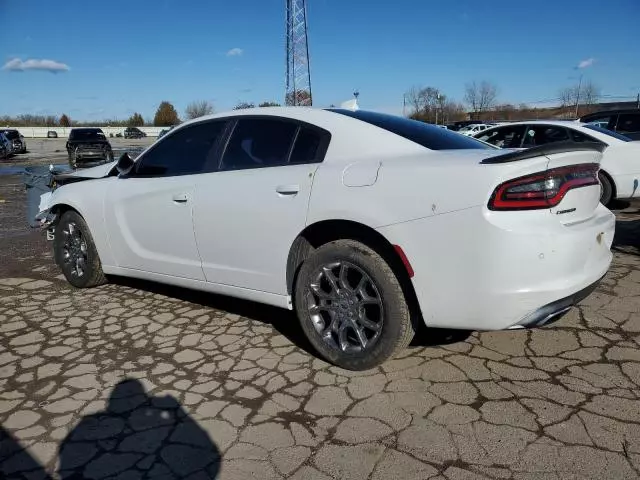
11,134
86,135
607,132
429,136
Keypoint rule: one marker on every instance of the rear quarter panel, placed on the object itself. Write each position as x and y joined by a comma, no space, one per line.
411,187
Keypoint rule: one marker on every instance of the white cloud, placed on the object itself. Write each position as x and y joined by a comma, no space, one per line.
235,52
18,65
586,63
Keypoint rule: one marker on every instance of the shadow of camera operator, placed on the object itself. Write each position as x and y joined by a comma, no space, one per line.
16,463
138,437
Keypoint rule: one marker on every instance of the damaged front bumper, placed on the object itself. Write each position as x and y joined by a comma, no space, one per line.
47,221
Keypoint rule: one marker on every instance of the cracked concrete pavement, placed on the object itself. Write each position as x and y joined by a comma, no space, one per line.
134,380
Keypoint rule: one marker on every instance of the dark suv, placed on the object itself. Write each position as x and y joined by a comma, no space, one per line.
134,132
87,146
18,143
625,122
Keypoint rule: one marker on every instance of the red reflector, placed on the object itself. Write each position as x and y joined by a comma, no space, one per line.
404,259
543,189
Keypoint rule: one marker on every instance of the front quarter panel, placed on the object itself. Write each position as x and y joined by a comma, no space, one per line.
88,199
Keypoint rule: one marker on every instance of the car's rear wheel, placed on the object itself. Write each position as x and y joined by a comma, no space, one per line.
606,193
76,253
351,305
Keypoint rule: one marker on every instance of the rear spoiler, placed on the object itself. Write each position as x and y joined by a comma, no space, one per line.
543,150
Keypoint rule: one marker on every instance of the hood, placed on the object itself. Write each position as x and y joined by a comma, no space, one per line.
86,173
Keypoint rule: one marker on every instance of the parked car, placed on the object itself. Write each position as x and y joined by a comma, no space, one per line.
52,134
455,126
6,149
619,170
134,132
361,222
18,143
471,130
87,146
625,122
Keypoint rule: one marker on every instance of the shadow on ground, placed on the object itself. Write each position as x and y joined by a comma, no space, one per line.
283,321
627,236
137,436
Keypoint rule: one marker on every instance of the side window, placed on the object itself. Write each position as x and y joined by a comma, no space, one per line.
505,137
184,152
628,123
258,143
307,147
543,134
581,137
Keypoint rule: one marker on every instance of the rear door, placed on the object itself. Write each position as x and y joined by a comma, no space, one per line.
248,213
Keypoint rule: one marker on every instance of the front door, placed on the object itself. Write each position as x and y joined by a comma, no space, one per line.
149,213
248,214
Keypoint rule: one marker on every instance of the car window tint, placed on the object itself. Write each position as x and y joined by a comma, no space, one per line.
258,143
307,146
429,136
504,137
544,134
581,137
628,122
184,152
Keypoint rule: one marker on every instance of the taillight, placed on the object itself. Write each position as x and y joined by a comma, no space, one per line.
543,189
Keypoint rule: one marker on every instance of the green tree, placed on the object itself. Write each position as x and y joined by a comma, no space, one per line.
166,115
65,121
135,120
269,104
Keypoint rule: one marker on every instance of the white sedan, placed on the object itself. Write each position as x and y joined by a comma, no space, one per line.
473,129
363,223
620,166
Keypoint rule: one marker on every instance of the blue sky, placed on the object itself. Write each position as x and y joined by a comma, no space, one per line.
126,55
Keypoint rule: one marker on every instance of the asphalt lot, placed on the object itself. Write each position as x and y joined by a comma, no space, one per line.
135,380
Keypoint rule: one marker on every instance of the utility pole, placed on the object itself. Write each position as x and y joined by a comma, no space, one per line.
578,95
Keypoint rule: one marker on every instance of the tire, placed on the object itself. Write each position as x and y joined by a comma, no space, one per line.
606,192
391,314
87,273
73,159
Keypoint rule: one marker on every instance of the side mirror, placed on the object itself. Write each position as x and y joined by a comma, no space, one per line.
125,164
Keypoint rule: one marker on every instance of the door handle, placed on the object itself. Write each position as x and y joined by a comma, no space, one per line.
181,198
288,189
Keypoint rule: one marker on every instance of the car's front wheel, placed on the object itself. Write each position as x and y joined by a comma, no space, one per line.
75,252
351,305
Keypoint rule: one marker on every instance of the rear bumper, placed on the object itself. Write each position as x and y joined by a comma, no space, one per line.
475,271
554,310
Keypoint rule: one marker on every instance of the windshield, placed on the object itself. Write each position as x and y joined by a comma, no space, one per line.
429,136
87,135
12,134
607,132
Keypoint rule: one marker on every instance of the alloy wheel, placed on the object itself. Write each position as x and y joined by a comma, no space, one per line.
74,250
345,307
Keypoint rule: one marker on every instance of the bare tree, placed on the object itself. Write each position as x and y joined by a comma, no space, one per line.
589,93
199,109
480,96
425,103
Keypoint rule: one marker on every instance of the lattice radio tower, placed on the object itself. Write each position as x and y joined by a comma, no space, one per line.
298,89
